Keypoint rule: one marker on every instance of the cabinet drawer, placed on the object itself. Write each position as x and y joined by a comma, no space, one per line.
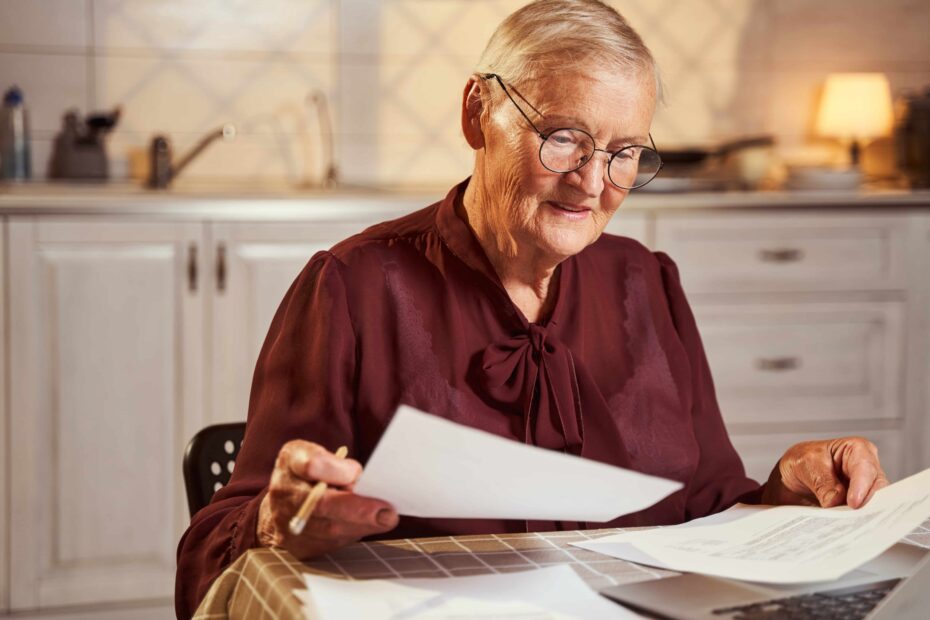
804,362
786,250
760,452
634,224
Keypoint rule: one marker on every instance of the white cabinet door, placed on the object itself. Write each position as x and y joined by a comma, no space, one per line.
917,436
106,348
793,363
634,224
787,251
4,440
253,265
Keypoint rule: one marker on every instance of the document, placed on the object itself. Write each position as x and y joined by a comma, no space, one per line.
551,593
620,545
427,466
783,544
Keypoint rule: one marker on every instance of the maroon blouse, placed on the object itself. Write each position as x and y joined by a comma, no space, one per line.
411,311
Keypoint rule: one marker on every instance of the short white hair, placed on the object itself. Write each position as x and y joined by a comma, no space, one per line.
549,36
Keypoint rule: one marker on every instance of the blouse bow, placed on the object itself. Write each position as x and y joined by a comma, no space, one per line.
537,370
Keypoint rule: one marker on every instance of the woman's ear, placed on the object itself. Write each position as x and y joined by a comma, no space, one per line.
472,107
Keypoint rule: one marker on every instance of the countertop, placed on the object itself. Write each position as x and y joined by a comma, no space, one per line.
346,203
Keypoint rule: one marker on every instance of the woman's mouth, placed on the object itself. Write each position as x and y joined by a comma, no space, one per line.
571,211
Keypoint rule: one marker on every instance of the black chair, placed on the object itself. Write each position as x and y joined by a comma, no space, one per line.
209,460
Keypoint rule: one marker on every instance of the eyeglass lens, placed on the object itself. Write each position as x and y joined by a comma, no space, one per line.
567,150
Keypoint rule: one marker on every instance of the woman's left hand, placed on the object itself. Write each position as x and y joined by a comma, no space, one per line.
826,473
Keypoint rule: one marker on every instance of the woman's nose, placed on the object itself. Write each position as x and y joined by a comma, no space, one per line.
591,176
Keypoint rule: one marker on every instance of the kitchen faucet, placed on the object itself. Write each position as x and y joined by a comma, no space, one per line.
317,99
163,171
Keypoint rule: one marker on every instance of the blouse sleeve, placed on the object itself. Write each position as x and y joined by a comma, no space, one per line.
720,480
303,388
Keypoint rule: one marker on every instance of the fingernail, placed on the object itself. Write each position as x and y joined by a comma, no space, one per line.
386,517
829,497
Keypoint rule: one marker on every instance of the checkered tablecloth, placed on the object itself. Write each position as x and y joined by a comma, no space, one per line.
261,583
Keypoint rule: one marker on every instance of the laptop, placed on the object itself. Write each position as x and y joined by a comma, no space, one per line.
894,586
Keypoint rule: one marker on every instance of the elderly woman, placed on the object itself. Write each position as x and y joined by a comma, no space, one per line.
505,308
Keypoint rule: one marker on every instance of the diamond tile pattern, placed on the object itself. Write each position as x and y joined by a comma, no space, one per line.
228,26
428,48
394,72
701,50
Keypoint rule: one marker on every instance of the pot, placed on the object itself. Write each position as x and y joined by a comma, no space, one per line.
698,155
734,163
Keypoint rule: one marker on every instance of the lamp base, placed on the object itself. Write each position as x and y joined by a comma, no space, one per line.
854,152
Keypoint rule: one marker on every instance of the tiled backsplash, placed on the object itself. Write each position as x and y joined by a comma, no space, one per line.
394,71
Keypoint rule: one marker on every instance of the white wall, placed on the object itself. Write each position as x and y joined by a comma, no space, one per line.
395,68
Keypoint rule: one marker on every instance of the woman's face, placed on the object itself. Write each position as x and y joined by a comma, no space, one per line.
549,214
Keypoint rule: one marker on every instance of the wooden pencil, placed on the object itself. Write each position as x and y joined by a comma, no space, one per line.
299,521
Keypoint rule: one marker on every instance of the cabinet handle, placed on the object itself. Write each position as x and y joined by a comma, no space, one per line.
221,267
778,364
192,267
781,255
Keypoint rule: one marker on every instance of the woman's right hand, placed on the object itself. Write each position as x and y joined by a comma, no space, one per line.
340,518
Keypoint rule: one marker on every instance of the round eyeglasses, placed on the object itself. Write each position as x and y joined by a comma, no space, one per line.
567,149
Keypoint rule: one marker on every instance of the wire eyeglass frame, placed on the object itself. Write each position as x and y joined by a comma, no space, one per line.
545,136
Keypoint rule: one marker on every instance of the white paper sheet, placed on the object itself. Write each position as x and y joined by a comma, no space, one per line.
786,544
547,593
620,545
427,466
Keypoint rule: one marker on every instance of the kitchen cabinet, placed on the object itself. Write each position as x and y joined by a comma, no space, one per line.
786,251
254,264
917,394
4,439
795,362
105,389
804,320
132,326
634,224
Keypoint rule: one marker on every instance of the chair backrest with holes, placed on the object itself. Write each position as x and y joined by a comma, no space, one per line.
209,461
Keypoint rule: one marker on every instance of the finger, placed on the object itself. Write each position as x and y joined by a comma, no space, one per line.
346,517
329,533
861,466
373,514
286,492
310,461
819,476
880,483
862,476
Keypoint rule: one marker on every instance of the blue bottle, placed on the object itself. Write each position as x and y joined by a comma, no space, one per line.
14,137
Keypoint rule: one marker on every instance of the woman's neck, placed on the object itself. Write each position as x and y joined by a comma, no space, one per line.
526,274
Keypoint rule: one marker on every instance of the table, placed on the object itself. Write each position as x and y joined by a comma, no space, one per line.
261,582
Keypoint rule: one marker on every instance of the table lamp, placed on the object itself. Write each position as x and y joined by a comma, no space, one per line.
855,107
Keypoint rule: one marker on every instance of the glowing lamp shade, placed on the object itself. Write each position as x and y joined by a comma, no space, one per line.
855,106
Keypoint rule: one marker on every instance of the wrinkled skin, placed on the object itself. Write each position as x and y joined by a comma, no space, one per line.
513,202
826,473
340,518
